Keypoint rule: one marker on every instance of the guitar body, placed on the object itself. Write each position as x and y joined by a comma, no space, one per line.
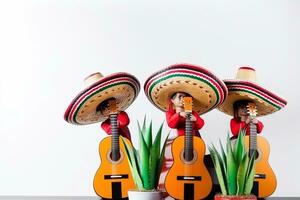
113,179
188,180
264,175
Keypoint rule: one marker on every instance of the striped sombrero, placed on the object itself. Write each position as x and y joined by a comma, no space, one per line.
244,87
123,87
207,90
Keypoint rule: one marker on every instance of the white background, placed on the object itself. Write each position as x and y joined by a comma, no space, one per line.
48,47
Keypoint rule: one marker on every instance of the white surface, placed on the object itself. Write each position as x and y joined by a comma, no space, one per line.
48,47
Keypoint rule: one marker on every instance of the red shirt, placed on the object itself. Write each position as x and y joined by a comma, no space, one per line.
176,121
123,121
236,125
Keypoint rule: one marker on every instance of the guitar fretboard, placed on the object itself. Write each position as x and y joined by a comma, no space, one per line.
253,139
115,146
188,145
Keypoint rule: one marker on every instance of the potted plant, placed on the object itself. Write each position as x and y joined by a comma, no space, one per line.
146,163
234,169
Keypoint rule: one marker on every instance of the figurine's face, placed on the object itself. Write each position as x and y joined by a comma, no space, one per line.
242,111
177,99
105,111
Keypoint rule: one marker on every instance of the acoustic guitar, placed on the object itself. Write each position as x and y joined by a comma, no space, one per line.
188,178
265,180
113,179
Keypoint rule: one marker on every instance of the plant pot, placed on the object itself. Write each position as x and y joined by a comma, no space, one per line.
228,197
144,195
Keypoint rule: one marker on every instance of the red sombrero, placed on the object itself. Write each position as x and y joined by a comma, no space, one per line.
244,87
123,87
207,90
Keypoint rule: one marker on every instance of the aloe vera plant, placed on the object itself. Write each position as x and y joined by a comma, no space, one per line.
235,170
146,163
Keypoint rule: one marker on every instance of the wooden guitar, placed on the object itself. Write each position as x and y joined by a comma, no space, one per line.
188,178
265,180
113,179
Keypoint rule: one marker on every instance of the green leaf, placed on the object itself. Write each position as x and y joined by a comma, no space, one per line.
231,169
154,157
144,162
148,135
223,156
222,162
250,176
133,164
218,169
239,148
242,174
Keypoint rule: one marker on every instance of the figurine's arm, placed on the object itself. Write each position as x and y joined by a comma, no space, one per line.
235,126
106,126
172,119
199,123
259,126
123,119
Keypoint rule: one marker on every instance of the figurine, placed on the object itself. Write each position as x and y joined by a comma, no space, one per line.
247,100
105,99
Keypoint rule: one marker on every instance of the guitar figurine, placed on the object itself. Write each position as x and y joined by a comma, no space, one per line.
113,179
188,178
265,180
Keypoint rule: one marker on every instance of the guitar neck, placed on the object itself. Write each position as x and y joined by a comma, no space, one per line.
253,138
115,146
188,145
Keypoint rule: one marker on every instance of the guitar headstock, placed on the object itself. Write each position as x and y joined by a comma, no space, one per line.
188,104
112,106
252,109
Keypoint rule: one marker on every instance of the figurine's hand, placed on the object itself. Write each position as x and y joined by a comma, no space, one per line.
182,114
193,118
254,121
248,120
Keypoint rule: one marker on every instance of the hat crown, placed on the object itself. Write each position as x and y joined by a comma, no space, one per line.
93,78
247,74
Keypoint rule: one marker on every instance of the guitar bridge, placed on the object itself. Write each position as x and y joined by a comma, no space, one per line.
189,178
116,176
260,176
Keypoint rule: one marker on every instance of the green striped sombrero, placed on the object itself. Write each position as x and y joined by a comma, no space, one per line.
123,87
207,90
244,87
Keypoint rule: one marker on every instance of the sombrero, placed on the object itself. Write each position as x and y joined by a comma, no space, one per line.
123,87
244,87
207,90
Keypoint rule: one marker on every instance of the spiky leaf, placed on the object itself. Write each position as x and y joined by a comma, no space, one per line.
218,169
134,168
144,162
239,148
241,175
154,156
231,169
250,176
148,135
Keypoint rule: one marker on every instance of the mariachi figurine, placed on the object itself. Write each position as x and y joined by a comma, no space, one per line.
201,91
247,100
105,99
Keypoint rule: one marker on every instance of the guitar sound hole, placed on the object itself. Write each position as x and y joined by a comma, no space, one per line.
256,154
188,157
115,157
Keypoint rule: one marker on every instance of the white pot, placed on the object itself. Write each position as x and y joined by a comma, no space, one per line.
144,195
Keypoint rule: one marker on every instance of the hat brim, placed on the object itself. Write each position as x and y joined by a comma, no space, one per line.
122,86
206,89
267,102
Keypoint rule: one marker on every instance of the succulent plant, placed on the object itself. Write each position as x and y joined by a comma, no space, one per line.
146,162
234,168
